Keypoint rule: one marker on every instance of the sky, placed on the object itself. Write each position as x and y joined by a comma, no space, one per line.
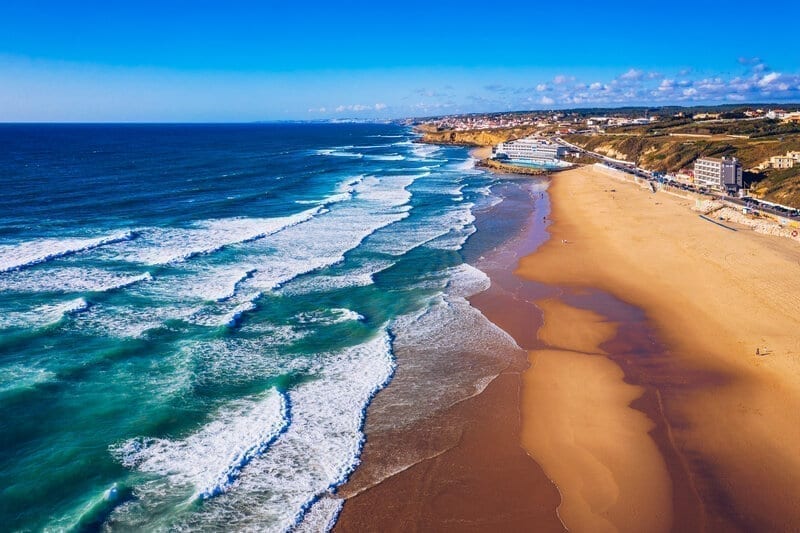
203,61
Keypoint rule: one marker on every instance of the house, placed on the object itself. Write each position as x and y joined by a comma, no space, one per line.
781,162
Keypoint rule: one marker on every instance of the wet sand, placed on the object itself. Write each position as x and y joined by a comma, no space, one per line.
578,424
724,418
644,402
469,471
484,482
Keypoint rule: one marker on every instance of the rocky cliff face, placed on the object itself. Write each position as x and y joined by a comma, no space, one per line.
474,137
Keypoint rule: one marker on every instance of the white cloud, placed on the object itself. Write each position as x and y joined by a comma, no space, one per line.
768,79
633,74
666,85
359,108
643,87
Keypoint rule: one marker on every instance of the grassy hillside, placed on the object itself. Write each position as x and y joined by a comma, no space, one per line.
668,147
667,153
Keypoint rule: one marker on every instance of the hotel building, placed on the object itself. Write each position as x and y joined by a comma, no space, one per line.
722,174
530,149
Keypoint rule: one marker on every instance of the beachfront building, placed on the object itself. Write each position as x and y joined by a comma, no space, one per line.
530,150
722,174
781,161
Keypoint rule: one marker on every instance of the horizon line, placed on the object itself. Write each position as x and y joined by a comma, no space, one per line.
377,120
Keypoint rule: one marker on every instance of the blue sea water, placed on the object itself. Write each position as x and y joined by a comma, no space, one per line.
194,318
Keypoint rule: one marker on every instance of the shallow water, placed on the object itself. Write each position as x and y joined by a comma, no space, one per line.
193,319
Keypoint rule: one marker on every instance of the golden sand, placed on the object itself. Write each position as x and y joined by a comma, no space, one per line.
578,425
715,296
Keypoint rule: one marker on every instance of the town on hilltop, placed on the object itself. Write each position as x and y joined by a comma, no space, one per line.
750,151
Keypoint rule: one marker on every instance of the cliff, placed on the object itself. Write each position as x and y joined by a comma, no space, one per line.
488,137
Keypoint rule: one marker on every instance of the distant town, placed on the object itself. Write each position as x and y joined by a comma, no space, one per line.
582,121
748,152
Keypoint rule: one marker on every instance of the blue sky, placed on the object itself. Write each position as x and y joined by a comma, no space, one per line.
242,61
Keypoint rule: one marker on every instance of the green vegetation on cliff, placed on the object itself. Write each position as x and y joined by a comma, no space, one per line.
674,145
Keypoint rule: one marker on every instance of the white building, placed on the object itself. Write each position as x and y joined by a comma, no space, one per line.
781,161
530,149
721,174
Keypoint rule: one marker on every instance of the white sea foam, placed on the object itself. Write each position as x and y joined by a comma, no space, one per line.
329,316
318,450
242,360
360,276
212,458
231,318
387,157
344,193
391,190
446,331
323,241
44,315
268,263
424,151
131,322
406,235
29,253
209,283
465,280
464,166
407,142
159,246
339,153
452,241
322,516
18,377
69,279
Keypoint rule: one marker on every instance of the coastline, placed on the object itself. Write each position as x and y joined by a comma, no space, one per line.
722,415
471,472
650,415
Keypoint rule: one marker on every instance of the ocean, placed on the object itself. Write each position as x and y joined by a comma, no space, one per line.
195,318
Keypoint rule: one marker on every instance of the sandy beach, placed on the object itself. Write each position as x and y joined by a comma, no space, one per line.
578,424
727,432
642,405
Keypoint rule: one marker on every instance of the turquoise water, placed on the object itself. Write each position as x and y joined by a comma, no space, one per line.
193,319
531,164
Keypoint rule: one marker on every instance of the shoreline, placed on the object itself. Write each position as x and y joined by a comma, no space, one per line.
721,412
688,453
475,476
